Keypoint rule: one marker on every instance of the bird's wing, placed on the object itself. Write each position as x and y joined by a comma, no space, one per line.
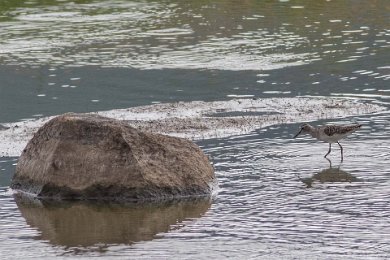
330,130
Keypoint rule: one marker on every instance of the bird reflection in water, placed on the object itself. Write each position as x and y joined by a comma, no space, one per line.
331,174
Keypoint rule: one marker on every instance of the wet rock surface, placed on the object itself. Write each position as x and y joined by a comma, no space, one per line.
84,156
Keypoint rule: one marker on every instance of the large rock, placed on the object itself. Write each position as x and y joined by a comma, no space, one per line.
80,156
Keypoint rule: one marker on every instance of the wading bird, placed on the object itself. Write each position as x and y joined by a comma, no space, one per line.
329,133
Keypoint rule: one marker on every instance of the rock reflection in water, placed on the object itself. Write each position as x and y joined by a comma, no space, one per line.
82,224
332,174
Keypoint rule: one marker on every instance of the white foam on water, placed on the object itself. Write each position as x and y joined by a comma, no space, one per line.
201,120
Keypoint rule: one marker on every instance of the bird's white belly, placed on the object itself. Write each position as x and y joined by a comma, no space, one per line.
332,139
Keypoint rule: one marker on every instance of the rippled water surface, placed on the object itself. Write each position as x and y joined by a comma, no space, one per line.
278,197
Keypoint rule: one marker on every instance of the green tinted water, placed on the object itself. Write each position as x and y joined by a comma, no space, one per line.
60,56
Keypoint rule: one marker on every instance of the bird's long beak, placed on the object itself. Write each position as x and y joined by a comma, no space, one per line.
298,133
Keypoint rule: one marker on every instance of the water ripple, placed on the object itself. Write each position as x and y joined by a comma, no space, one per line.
278,197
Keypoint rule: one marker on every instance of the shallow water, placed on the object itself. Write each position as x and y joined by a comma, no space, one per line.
278,197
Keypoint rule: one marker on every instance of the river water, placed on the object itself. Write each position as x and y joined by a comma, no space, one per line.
278,197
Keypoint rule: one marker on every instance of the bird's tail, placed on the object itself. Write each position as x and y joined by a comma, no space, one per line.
357,124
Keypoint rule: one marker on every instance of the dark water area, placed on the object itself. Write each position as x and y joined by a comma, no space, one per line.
83,56
278,197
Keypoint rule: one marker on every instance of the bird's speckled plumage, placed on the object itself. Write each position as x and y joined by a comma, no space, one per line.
340,129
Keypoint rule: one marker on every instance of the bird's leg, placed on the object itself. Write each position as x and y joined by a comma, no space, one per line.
341,148
330,163
330,147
